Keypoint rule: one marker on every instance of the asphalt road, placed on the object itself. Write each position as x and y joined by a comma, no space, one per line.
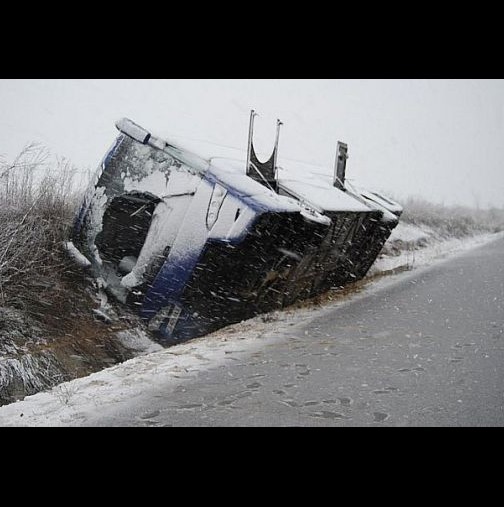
425,351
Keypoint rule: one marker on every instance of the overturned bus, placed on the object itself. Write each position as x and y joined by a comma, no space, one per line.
194,244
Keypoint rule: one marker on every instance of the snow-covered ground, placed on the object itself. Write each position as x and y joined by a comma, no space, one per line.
419,246
76,402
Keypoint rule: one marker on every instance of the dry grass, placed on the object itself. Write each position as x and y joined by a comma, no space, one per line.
37,205
47,330
452,221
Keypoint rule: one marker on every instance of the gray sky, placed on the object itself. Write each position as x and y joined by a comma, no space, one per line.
439,139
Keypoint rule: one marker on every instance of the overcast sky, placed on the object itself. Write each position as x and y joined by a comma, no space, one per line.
439,139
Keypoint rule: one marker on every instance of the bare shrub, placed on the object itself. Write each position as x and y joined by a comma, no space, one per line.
65,392
37,206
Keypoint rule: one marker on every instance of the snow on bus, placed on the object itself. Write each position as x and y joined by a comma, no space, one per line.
193,244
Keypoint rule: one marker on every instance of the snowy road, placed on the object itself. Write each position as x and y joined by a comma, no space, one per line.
420,348
426,351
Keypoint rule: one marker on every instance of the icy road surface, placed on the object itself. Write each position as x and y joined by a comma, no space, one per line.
423,348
